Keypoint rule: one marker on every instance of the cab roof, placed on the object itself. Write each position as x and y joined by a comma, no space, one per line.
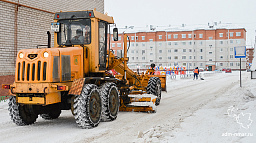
83,14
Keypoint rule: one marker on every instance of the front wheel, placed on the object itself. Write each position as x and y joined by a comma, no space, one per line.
87,107
21,114
154,87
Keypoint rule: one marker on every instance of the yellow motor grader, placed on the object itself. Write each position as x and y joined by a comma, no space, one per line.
74,75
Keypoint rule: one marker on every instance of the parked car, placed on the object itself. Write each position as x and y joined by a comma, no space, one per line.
228,70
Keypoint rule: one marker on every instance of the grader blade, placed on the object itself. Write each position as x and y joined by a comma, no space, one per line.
140,103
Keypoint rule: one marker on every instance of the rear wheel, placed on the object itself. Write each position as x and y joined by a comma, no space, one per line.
154,87
110,101
21,114
87,107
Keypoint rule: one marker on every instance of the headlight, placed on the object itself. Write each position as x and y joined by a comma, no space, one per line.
46,54
21,55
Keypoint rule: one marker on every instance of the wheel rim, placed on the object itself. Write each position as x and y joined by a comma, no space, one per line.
95,107
113,101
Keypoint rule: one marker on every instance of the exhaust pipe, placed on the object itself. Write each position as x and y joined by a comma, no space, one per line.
49,39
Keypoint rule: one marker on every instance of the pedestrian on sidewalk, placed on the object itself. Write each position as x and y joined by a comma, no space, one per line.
196,72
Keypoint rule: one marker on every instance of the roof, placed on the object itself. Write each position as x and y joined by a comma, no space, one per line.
183,27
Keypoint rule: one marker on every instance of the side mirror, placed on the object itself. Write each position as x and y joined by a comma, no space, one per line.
115,34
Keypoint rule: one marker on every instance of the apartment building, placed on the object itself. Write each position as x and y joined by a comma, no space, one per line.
209,47
24,24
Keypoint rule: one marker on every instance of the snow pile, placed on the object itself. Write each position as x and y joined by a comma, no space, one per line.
229,118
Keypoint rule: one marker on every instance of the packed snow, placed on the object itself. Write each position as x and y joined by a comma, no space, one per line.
215,109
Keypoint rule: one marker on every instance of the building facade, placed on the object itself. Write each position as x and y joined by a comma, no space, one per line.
208,48
24,24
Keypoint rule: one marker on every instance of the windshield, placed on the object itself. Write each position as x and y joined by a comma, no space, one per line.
74,32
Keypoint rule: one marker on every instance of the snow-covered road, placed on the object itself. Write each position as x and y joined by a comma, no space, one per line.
179,117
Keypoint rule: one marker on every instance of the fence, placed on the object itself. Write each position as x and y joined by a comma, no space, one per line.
3,98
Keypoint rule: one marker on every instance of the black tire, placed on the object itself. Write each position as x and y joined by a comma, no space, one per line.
110,101
21,114
54,114
87,107
154,87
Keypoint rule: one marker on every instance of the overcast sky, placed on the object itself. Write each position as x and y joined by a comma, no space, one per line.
176,12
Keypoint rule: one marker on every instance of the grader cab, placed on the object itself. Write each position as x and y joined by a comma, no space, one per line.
73,74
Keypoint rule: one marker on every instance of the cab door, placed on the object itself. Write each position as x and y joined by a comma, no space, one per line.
102,44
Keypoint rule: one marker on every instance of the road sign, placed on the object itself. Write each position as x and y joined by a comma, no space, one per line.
240,52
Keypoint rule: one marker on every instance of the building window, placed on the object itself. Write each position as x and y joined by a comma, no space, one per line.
201,64
169,36
210,53
221,64
137,44
221,57
231,64
160,58
137,58
151,47
201,57
201,43
132,37
176,57
143,52
194,35
151,61
143,37
137,51
175,36
231,41
190,50
169,58
183,57
169,43
231,34
132,51
200,35
150,40
189,35
184,64
119,38
190,43
175,43
137,37
184,50
169,51
113,44
238,41
201,50
118,44
190,57
160,36
160,51
210,59
231,56
238,33
231,49
221,42
221,49
132,58
220,34
143,58
160,44
183,35
183,43
210,38
175,50
151,54
143,44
